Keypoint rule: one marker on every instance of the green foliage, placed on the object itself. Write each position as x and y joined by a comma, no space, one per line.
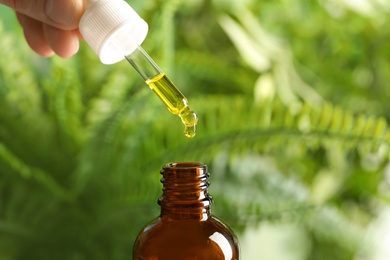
292,124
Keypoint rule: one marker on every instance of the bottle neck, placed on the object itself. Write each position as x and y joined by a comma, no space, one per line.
185,194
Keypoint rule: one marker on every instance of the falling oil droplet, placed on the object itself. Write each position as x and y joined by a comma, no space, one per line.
189,118
190,131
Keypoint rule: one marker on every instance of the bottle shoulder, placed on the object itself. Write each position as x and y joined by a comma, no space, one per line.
176,239
173,226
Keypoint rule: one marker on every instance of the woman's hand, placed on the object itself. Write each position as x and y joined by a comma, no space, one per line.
49,26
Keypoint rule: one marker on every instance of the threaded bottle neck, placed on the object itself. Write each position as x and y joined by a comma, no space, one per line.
185,194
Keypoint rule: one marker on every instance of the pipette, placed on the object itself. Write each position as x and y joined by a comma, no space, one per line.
115,32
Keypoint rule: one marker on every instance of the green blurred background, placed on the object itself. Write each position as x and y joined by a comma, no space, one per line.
293,101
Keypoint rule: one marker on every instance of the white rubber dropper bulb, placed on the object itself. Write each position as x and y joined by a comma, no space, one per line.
112,29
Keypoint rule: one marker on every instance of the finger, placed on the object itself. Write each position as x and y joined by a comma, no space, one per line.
64,14
64,43
35,38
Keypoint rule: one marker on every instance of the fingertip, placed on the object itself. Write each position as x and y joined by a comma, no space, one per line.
45,53
34,35
64,43
63,14
69,46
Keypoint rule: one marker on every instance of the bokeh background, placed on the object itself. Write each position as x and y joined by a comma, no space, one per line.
293,105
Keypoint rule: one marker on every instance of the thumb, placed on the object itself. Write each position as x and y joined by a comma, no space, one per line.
63,14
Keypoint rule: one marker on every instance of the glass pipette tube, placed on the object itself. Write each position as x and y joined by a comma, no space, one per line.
164,88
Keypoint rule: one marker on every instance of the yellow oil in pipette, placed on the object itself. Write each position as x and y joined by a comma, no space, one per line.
164,88
175,101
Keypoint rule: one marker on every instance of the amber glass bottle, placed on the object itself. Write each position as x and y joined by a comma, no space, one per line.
185,229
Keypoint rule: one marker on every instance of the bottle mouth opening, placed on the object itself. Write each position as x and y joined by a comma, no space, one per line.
184,165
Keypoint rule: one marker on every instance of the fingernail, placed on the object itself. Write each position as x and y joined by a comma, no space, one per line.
61,12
